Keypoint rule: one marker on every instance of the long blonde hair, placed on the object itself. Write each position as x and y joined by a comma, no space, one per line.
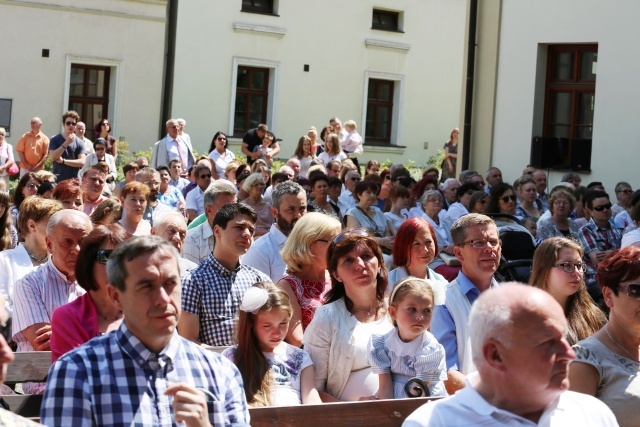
248,357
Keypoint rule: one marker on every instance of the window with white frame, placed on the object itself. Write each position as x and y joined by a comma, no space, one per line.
383,108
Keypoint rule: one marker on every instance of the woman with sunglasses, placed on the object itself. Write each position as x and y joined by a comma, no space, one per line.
93,313
337,338
503,201
561,204
607,364
559,270
27,186
102,129
219,155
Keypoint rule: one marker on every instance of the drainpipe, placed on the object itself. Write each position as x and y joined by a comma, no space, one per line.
471,64
169,61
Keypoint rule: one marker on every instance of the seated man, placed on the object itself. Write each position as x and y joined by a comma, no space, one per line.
477,247
212,292
519,347
151,178
172,227
195,198
144,373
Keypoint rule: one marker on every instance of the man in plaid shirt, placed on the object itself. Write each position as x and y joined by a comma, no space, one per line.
144,373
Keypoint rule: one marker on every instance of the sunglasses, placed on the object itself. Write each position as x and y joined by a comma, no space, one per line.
632,290
507,198
357,231
103,255
602,207
70,123
104,124
205,176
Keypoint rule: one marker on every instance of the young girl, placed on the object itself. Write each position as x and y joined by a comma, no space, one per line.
274,373
305,154
409,350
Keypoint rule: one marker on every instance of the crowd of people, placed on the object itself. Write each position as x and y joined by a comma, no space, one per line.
324,281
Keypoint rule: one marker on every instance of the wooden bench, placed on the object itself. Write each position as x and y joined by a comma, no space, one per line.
34,367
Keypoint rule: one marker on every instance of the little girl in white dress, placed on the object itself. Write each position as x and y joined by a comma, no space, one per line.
409,350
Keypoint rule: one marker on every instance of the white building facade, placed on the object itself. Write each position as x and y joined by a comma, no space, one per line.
395,67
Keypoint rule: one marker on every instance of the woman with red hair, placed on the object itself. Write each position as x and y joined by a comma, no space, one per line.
69,193
607,364
414,248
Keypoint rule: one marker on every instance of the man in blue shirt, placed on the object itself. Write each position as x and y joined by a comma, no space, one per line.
66,150
477,246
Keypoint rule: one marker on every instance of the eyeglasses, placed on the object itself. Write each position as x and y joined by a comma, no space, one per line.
32,186
507,198
357,231
626,191
481,243
70,123
258,184
631,289
570,267
602,207
103,255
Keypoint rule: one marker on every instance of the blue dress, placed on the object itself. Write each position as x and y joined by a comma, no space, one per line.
424,358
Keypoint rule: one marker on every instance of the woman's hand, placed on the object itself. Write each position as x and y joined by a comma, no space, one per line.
448,249
387,242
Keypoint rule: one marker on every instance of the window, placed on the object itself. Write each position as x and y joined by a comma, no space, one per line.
5,115
89,93
385,20
570,98
252,93
379,111
258,6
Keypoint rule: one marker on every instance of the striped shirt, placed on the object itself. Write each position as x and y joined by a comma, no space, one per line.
35,298
115,380
214,293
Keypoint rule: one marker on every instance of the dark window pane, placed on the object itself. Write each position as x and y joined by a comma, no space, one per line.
239,120
371,92
243,78
241,102
384,20
263,6
585,108
561,108
77,107
584,132
560,131
586,65
384,93
256,104
258,81
563,66
76,81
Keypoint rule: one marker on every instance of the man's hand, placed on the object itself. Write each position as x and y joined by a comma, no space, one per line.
189,405
43,336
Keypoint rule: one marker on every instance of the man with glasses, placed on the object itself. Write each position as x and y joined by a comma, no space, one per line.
151,178
598,238
195,197
333,169
347,200
53,284
623,195
33,148
66,150
477,247
172,146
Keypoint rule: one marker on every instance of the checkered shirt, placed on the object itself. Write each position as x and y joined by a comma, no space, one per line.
114,380
214,293
593,238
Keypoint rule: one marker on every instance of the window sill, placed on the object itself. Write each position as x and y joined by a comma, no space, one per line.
384,44
257,12
261,29
380,147
388,30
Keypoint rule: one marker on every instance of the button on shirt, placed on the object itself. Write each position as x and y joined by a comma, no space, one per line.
195,200
116,381
214,293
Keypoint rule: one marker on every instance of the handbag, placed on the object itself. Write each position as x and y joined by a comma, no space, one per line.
14,169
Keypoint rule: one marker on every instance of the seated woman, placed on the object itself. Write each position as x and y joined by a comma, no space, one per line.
320,189
414,249
27,186
100,155
307,280
337,338
479,202
398,211
134,202
366,215
528,196
561,204
607,364
254,186
129,170
559,270
503,200
69,193
32,252
93,313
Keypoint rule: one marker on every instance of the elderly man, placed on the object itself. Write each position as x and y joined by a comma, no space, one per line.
144,373
182,123
195,197
212,292
92,185
477,247
540,179
151,178
519,347
172,227
294,164
66,150
33,148
347,200
623,196
80,131
494,176
253,138
289,203
450,188
39,293
172,147
199,242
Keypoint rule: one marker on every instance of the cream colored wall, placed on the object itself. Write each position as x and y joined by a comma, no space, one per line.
330,36
126,33
527,25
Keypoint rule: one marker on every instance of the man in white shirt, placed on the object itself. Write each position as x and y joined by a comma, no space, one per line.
347,200
172,227
519,347
80,131
195,197
289,204
172,146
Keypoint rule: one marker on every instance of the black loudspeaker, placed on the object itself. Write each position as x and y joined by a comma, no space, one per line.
581,154
544,152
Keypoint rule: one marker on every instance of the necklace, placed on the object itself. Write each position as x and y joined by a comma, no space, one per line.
369,312
36,259
606,329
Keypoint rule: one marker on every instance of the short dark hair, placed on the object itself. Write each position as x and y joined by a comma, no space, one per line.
287,187
466,187
163,168
230,211
363,186
318,176
592,195
112,233
334,181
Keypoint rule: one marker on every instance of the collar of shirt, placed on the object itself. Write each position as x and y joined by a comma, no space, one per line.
131,345
278,236
220,269
59,273
468,288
